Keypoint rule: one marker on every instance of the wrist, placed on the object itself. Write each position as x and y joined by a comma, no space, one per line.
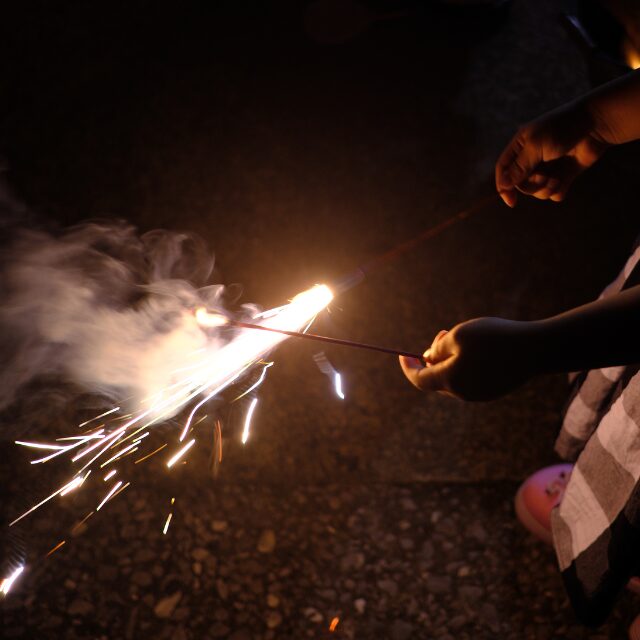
533,348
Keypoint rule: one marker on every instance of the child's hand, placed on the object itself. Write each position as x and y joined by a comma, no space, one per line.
477,360
546,155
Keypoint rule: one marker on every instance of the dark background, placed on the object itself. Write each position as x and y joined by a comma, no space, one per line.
297,157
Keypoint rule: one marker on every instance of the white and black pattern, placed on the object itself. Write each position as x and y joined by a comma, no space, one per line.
596,528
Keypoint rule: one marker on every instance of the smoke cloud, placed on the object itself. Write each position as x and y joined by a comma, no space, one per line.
102,307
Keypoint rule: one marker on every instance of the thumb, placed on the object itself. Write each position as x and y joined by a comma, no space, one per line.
439,350
431,378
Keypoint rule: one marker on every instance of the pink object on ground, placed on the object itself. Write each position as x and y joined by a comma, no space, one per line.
538,495
536,498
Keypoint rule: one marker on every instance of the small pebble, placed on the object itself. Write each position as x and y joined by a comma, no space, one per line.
267,541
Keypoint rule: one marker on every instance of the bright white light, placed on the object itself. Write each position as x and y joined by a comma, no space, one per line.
106,498
338,385
7,583
180,453
247,420
166,524
206,319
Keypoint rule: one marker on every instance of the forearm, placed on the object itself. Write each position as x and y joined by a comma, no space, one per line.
615,109
603,333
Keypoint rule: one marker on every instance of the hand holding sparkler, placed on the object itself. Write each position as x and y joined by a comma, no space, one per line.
487,357
546,155
477,360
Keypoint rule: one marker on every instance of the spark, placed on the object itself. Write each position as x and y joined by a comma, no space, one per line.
53,495
260,380
40,445
113,436
7,583
338,385
74,484
334,624
102,415
120,490
65,448
219,368
219,432
52,551
166,524
153,453
247,420
132,447
329,370
111,492
79,524
88,464
181,452
110,474
86,437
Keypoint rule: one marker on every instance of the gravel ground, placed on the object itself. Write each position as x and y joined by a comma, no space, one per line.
296,161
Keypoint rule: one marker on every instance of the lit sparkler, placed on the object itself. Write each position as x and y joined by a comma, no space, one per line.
206,373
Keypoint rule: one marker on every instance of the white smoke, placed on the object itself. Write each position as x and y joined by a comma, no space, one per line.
102,307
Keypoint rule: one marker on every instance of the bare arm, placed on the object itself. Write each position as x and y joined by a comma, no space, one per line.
487,357
546,155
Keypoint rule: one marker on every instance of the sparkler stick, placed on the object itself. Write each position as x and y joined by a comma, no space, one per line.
315,336
359,274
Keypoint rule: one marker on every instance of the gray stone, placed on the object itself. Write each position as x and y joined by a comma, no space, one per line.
389,586
438,584
457,622
165,607
80,607
273,619
141,578
476,530
407,544
464,571
218,526
313,614
219,630
401,630
222,588
267,541
427,550
200,554
352,562
470,593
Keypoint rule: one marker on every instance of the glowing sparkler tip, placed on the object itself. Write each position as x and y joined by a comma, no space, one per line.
7,583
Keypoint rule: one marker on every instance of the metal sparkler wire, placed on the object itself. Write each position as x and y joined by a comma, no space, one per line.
314,336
